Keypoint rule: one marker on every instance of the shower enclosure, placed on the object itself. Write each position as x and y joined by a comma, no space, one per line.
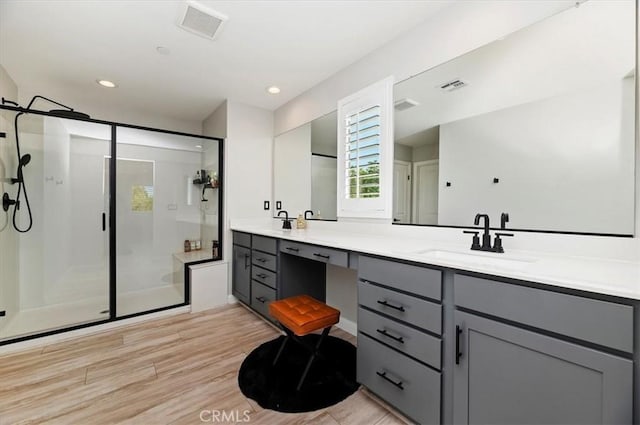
90,239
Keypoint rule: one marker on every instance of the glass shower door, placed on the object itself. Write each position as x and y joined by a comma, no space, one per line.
150,203
54,251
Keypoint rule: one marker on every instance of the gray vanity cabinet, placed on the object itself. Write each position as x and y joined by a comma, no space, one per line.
542,357
241,273
400,336
508,375
264,273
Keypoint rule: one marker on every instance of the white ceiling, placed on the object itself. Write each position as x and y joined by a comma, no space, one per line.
58,48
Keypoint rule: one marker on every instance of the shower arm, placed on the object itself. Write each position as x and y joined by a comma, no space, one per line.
46,98
33,99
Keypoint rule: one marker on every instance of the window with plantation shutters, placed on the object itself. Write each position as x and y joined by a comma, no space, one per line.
362,159
365,152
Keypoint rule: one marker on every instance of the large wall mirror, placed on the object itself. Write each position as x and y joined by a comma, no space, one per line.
540,125
304,174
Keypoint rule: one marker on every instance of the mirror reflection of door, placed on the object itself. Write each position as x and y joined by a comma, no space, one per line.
401,191
425,192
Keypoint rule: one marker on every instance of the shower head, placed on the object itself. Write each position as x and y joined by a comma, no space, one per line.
68,112
63,113
26,158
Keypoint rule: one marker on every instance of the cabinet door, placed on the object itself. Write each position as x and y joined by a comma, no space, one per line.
242,273
507,375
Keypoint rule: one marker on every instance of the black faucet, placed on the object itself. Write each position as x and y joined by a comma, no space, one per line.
305,214
286,224
486,236
504,219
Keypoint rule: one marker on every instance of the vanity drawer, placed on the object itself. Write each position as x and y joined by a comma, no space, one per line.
418,312
261,296
265,244
418,280
600,322
419,345
242,239
412,388
317,253
263,276
263,260
293,248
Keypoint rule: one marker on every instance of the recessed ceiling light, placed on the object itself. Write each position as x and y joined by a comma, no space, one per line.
198,146
273,90
163,50
107,83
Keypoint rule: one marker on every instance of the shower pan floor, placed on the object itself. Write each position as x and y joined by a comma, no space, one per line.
59,316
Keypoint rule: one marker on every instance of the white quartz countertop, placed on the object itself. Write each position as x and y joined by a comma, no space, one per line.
602,276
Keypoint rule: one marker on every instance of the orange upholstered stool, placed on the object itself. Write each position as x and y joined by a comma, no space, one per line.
302,315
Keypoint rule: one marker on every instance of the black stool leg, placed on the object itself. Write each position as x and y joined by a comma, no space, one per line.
325,332
284,342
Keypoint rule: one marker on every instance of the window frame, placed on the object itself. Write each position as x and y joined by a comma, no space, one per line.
377,94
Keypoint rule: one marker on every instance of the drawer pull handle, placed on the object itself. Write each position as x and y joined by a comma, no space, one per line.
326,257
261,299
395,307
261,275
458,352
387,334
288,248
262,260
384,376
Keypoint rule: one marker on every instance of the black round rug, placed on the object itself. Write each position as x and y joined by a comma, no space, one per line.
331,379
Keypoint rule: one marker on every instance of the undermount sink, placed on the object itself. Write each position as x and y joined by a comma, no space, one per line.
479,258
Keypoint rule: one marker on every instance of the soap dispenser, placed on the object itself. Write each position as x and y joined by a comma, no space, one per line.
301,223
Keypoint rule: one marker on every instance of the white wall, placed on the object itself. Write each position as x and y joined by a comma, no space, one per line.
402,152
426,152
215,125
564,163
9,278
248,160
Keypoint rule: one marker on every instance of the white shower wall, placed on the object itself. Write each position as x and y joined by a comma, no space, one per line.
9,284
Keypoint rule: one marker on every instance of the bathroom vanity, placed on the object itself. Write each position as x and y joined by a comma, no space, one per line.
447,345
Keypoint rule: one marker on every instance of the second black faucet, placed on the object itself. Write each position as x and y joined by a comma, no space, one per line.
486,235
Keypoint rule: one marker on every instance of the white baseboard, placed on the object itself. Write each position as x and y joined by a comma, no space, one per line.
348,326
231,299
63,336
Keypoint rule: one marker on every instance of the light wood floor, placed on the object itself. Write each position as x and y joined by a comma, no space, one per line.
165,371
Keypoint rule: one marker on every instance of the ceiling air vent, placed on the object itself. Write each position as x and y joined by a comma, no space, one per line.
200,20
453,85
404,104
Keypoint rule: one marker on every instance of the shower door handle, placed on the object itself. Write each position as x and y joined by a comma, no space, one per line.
104,222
